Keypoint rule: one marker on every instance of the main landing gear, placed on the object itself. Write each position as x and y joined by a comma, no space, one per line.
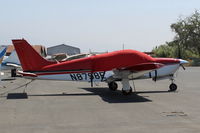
113,86
127,92
126,88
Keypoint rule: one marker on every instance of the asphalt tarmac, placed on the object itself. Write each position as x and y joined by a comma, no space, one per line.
75,107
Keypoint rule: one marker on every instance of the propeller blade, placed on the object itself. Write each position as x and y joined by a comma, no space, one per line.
182,66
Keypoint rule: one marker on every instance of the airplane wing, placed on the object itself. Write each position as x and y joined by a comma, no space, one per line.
27,74
132,72
144,67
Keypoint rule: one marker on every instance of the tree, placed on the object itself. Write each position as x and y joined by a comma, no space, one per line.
164,50
186,43
187,34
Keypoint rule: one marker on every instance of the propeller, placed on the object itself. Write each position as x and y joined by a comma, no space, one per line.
183,62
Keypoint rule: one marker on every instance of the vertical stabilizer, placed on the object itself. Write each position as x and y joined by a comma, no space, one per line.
30,59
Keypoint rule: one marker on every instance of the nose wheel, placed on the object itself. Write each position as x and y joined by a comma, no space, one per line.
172,87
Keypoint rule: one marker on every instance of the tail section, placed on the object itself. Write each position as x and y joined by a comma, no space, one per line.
29,58
2,53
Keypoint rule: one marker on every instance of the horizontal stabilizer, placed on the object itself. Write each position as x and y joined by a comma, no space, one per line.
13,65
27,74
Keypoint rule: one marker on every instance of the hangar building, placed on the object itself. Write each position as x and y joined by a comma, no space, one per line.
63,48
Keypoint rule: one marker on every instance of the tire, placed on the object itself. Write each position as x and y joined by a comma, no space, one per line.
173,87
113,86
127,92
13,73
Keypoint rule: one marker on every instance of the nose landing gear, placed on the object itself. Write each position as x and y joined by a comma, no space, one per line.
172,86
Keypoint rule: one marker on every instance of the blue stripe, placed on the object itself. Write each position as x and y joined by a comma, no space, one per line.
3,52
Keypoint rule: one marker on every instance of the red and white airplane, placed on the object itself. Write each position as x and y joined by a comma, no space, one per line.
123,65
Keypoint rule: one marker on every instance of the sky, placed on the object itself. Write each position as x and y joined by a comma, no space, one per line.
96,25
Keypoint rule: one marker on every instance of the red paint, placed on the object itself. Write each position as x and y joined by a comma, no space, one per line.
29,58
123,59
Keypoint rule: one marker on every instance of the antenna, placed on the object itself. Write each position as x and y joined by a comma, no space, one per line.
123,46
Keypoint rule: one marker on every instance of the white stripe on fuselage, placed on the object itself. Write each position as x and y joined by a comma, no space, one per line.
84,77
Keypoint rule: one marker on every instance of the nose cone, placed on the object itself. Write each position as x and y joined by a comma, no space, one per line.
183,61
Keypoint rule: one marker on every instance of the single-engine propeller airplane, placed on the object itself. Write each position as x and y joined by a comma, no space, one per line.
122,65
11,63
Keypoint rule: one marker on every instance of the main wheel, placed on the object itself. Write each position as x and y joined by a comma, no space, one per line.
127,92
172,87
113,86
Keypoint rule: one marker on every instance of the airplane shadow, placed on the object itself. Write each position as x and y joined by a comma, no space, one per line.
17,96
8,79
104,93
107,96
116,96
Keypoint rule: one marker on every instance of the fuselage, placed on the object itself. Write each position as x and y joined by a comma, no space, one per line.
169,68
